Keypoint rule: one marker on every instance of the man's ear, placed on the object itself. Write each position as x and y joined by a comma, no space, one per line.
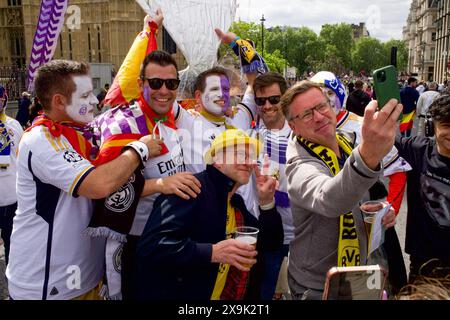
59,102
198,96
291,125
140,84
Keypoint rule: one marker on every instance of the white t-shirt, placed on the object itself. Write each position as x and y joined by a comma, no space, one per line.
8,175
275,145
159,167
392,162
50,258
132,120
197,132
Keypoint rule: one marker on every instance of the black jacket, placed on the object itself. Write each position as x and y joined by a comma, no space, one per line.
174,252
357,102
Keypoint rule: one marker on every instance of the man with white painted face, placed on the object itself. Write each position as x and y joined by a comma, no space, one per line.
50,259
212,93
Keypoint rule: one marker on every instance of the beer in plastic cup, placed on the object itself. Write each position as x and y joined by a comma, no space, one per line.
248,235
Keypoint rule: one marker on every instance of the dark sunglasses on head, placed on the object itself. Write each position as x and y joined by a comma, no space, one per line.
260,101
157,83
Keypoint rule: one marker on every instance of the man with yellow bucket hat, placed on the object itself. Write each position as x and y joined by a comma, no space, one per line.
186,250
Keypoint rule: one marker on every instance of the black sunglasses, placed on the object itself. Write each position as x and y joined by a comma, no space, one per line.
260,101
157,83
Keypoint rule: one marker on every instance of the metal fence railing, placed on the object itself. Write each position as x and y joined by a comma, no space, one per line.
14,80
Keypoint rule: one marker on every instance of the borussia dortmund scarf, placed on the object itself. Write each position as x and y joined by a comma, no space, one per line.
216,120
231,283
348,245
5,143
251,60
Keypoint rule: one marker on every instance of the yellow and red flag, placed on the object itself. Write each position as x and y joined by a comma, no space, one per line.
407,121
125,87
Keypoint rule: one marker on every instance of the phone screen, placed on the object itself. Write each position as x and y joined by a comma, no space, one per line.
355,284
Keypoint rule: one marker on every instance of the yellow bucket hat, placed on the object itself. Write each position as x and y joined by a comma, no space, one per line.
231,137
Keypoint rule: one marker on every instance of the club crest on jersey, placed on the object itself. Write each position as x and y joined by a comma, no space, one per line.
117,259
122,199
72,157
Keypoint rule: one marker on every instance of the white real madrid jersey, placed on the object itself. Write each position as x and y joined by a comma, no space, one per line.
50,257
197,132
392,162
159,167
275,145
8,174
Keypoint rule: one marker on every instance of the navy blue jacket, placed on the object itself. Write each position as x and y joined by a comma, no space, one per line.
409,97
174,251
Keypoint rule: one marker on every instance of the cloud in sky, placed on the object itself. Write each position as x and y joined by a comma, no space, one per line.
384,18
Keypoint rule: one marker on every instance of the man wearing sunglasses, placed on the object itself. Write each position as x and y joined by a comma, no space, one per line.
151,113
327,179
273,129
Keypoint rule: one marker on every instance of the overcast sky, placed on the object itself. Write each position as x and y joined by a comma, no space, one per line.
384,18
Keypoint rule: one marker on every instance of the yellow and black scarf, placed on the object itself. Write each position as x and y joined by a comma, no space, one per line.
348,245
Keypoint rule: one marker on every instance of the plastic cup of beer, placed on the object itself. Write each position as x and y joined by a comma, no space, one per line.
370,209
249,235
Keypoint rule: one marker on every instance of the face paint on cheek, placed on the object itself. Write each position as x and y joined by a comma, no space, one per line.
83,110
225,85
147,94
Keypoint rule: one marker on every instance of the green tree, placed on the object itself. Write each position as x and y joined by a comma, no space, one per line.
275,61
340,37
245,30
402,53
368,55
295,44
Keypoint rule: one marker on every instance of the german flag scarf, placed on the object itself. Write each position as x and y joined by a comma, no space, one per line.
348,245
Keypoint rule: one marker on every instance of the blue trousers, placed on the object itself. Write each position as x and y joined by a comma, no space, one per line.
272,265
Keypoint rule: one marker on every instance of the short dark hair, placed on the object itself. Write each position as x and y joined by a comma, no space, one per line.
200,81
440,109
160,58
292,92
359,84
55,77
267,79
411,80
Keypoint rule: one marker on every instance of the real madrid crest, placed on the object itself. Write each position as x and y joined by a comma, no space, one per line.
122,199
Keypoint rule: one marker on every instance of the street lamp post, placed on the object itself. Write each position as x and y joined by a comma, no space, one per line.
262,34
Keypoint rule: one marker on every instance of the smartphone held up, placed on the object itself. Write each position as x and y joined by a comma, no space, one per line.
386,86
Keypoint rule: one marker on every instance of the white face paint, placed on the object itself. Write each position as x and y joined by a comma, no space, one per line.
81,109
216,96
334,100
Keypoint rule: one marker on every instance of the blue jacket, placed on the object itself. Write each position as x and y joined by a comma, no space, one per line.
174,251
409,97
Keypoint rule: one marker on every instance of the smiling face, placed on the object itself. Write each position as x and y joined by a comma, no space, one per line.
321,128
442,131
162,99
236,162
271,114
83,101
215,99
